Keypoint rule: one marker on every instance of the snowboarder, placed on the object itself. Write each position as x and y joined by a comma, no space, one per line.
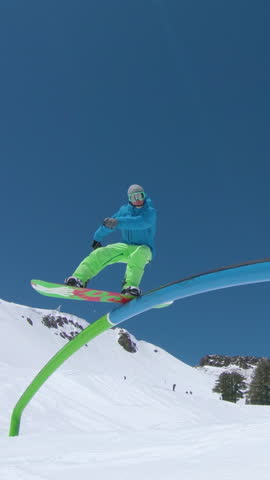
137,222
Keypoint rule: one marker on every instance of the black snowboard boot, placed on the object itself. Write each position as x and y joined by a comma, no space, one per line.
75,282
135,291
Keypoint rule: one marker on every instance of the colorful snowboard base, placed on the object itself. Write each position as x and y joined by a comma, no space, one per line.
89,294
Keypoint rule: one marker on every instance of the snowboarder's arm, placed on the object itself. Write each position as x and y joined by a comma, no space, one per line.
103,231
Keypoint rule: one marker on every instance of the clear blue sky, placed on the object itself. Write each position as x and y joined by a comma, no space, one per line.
173,95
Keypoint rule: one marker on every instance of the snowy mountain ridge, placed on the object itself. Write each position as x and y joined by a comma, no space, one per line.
240,361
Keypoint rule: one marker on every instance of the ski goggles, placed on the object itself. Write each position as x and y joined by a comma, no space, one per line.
137,196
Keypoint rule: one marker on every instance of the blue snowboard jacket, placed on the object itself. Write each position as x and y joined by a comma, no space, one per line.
137,225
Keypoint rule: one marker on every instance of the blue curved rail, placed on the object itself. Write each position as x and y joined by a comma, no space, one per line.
252,272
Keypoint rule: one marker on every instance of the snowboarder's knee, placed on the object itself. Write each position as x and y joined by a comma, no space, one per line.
144,252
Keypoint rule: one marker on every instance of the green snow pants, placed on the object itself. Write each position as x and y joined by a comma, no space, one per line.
135,256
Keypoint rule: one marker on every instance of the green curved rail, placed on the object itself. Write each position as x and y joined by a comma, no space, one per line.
100,326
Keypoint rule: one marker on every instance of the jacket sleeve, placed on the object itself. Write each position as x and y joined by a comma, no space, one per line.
103,231
139,222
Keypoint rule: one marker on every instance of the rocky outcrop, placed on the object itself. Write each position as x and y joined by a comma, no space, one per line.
60,323
125,341
226,361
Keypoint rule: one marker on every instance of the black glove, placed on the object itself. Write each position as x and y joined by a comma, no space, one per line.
110,222
96,244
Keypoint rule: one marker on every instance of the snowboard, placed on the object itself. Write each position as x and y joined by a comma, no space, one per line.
74,293
89,294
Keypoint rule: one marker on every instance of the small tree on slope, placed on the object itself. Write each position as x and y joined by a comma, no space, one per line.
231,386
259,390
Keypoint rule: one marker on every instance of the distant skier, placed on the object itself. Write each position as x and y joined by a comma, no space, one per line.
137,222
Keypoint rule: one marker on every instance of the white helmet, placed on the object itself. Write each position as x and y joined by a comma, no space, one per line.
136,195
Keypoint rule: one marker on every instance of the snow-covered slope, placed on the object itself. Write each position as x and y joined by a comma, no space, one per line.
111,413
103,375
